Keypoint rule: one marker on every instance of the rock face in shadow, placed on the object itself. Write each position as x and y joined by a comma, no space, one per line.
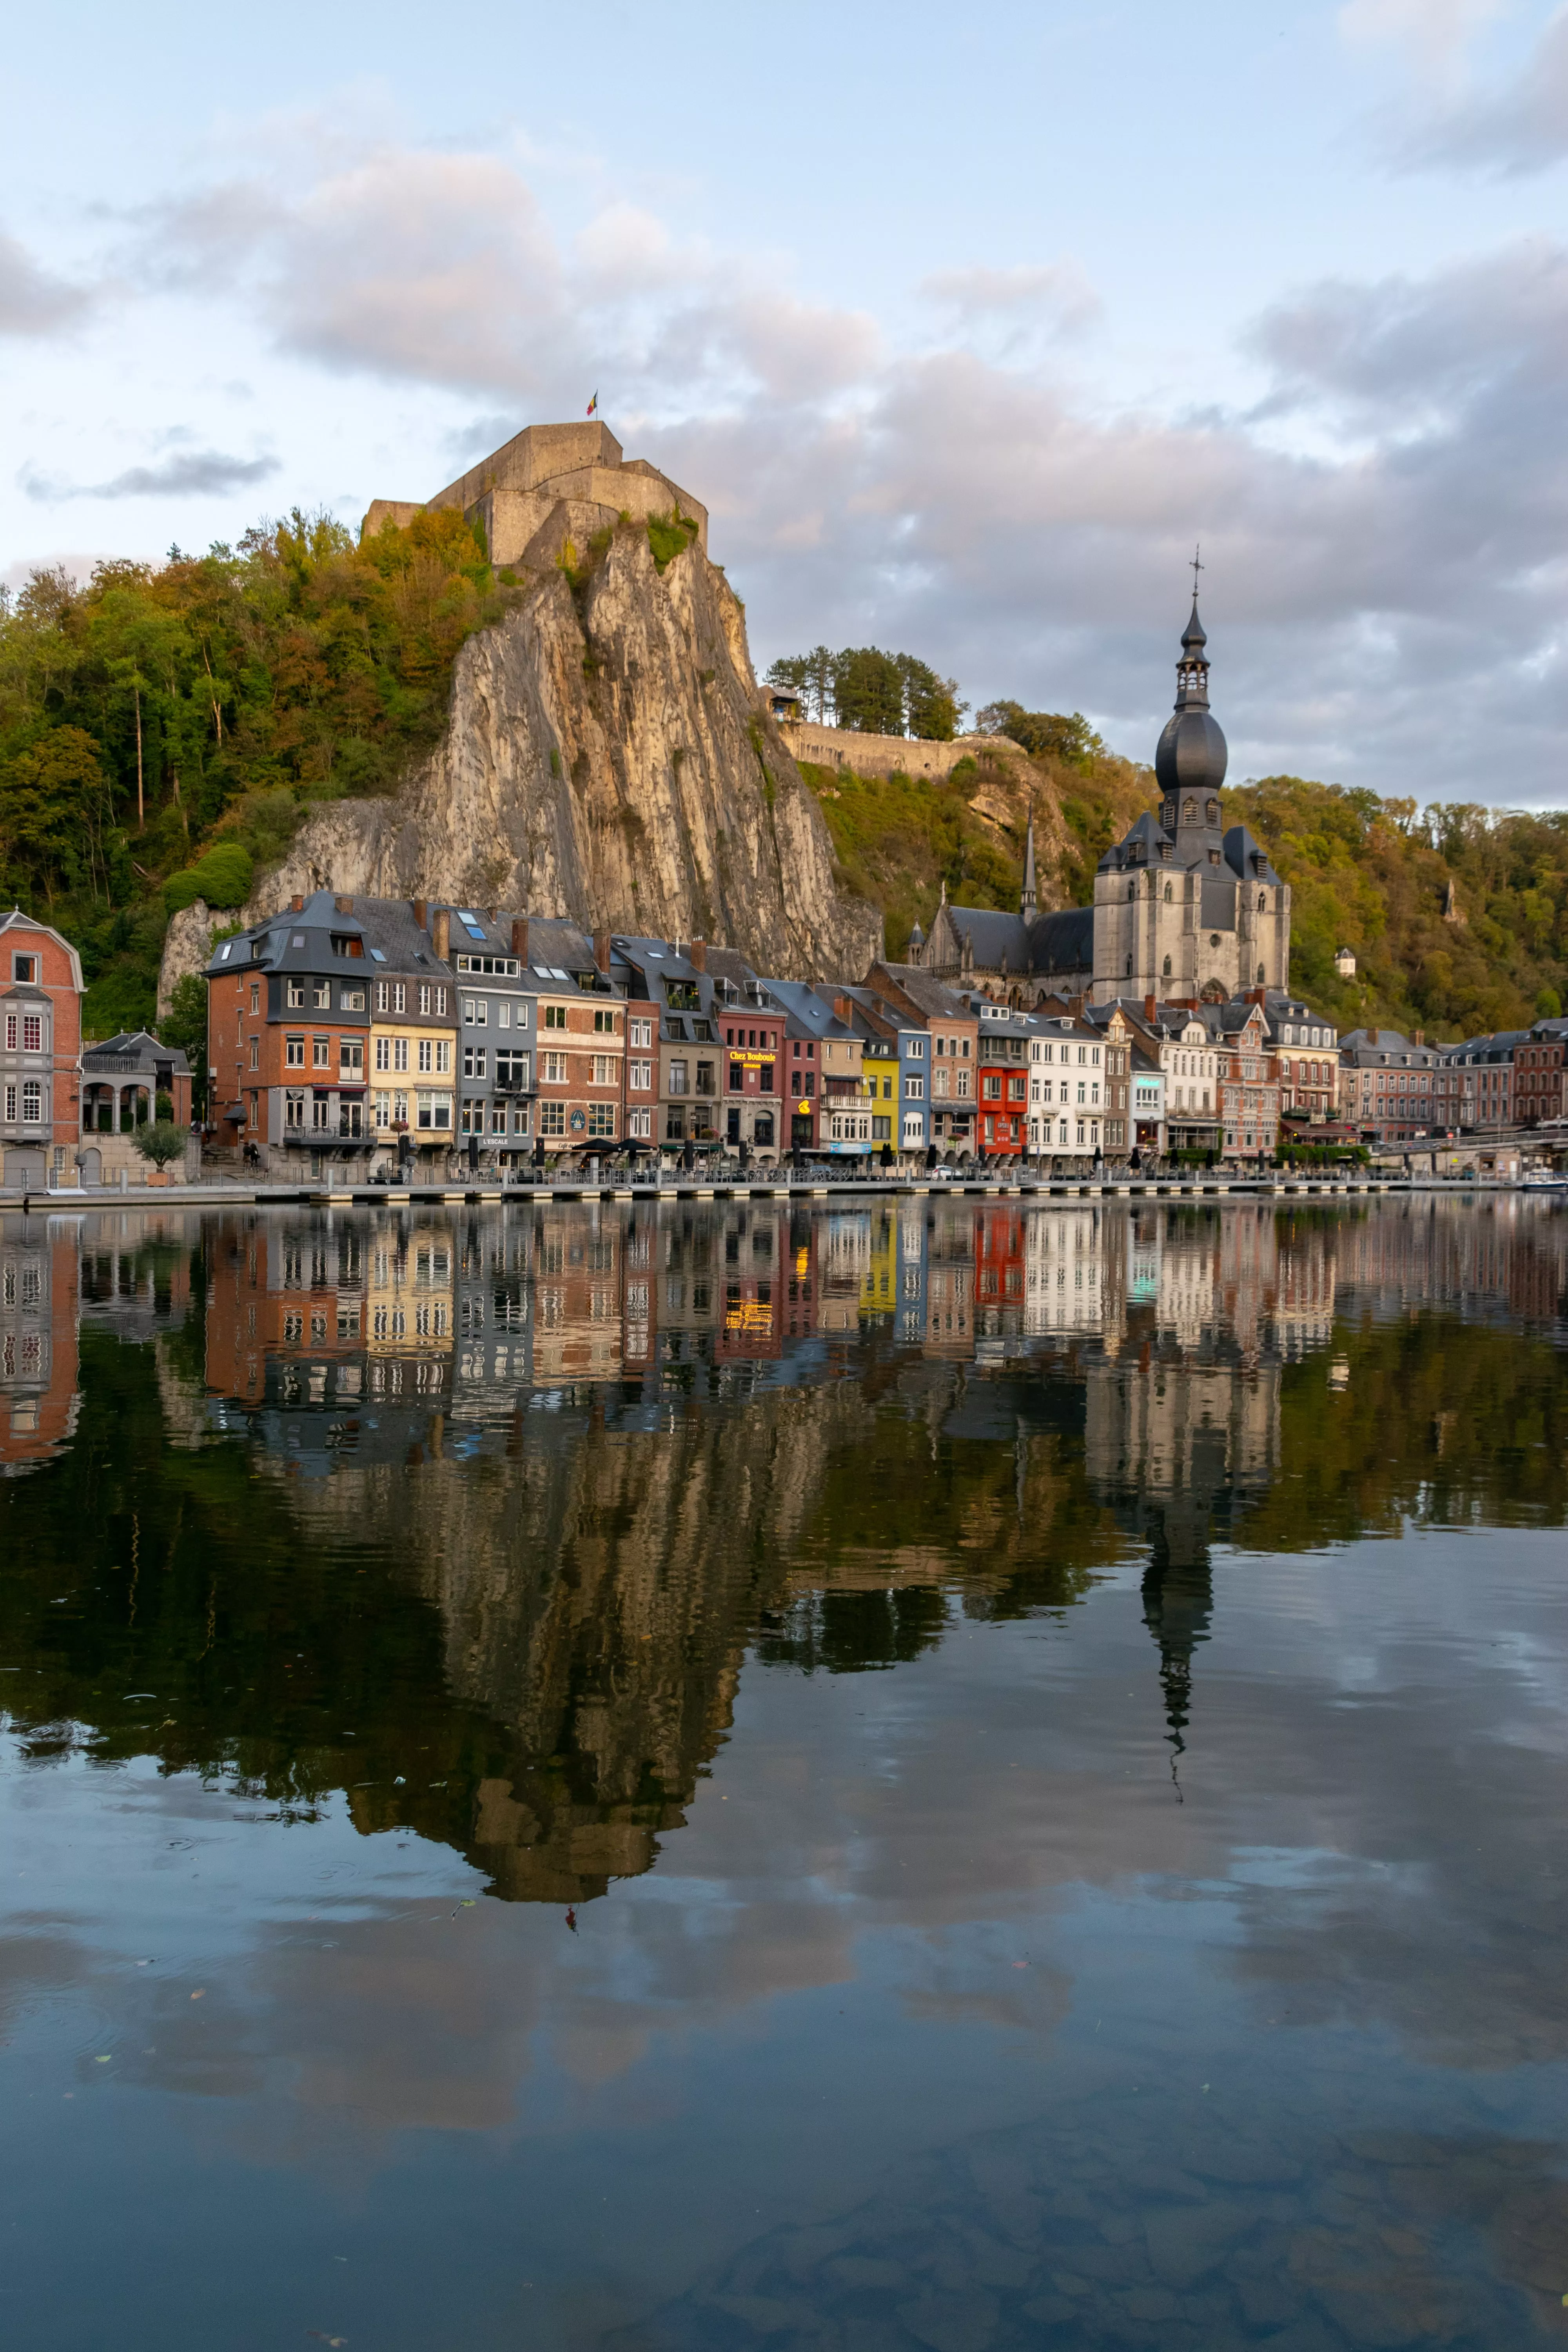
606,759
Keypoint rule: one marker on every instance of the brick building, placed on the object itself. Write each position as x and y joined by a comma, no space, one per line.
40,1051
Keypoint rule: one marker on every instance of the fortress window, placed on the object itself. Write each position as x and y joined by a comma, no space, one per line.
1260,974
1129,968
1262,901
1132,889
1167,894
1166,968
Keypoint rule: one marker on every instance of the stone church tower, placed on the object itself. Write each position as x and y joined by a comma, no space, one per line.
1183,909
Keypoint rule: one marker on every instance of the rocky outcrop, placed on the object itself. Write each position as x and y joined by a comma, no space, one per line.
605,758
188,944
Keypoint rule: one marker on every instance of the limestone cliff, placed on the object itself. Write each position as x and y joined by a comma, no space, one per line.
606,759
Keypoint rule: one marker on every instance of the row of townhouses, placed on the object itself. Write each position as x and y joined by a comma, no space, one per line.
365,1033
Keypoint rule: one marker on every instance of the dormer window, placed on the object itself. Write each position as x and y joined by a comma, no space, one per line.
24,970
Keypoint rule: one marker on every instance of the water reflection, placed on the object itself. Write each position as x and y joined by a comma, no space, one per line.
844,1591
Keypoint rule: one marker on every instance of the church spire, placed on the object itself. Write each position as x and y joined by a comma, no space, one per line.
1028,903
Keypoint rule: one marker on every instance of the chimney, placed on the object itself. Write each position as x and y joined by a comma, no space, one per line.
298,902
601,951
1257,996
845,1009
519,938
345,906
1419,1037
441,933
1149,1010
696,955
1372,1037
1075,1006
421,910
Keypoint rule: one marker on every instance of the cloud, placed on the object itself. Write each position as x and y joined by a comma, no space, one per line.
32,302
1519,126
1436,31
1056,291
190,473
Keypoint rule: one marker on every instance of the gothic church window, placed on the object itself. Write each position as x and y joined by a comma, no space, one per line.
1262,901
1167,894
1132,889
1167,968
1129,968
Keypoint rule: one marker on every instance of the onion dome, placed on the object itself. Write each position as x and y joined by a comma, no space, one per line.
1191,756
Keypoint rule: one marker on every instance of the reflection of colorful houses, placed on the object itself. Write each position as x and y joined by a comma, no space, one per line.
1069,1264
800,1283
577,1297
912,1277
410,1297
878,1283
843,1262
752,1325
38,1278
998,1272
950,1284
285,1321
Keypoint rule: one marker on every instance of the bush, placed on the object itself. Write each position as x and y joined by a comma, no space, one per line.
223,878
161,1140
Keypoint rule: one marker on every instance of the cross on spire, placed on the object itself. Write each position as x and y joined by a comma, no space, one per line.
1194,567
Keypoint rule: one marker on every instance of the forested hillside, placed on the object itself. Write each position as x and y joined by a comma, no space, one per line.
1367,874
201,706
164,730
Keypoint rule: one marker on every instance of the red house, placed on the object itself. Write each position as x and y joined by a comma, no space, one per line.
40,1050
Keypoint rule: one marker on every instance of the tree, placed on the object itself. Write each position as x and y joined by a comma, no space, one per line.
186,1028
54,804
868,691
1044,734
160,1140
931,707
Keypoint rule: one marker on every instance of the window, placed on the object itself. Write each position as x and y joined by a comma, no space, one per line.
320,1053
601,1121
552,1119
991,1087
352,1000
382,1053
32,1033
639,1076
639,1033
474,1061
554,1071
32,1103
433,1112
351,1057
737,1077
915,1047
426,1055
256,1053
476,1011
256,996
512,1069
25,969
555,1016
678,1077
296,995
640,1125
321,994
294,1107
10,1105
914,1088
293,1052
389,996
321,1113
400,1053
603,1023
964,1084
351,1118
381,1113
604,1069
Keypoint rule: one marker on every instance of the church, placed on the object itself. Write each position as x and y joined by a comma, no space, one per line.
1183,910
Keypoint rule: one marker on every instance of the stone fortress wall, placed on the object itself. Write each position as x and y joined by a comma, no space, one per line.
515,492
888,755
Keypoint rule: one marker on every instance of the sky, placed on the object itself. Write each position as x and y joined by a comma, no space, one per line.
966,326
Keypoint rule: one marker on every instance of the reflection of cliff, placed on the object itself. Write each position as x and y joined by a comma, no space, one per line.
597,1582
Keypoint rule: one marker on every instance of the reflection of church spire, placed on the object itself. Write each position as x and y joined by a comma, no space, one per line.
1178,1595
1027,904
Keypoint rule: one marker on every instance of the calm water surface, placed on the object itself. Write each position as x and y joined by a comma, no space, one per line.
941,1775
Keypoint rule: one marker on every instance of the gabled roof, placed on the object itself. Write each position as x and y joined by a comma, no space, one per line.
139,1044
17,920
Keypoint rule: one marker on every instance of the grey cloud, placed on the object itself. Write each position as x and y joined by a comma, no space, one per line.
1057,291
191,473
1519,127
32,302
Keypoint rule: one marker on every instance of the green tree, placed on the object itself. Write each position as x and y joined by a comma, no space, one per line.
931,705
160,1140
186,1028
868,691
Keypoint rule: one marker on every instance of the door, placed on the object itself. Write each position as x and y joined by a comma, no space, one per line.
90,1165
24,1170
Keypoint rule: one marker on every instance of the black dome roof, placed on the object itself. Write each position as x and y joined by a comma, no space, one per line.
1192,754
